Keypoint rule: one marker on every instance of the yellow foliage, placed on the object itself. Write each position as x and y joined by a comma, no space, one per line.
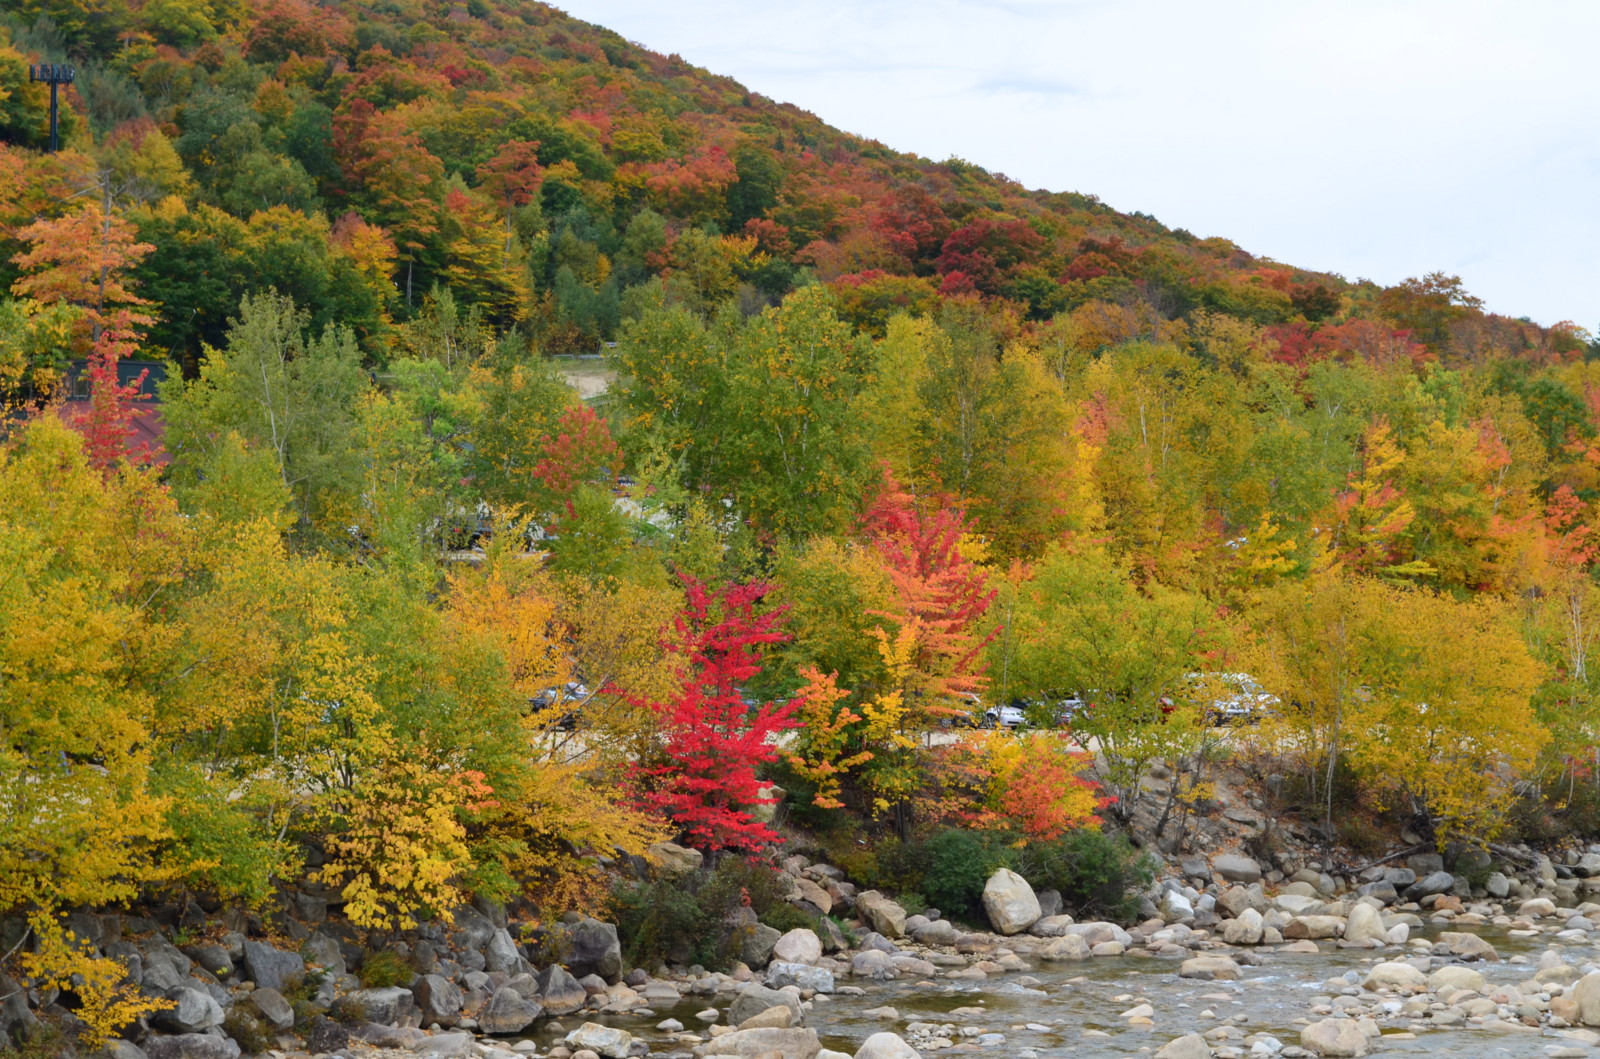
824,734
107,1000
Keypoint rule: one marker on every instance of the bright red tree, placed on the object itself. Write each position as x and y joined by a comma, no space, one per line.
712,742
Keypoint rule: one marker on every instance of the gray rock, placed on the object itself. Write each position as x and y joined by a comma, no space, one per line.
384,1005
937,932
800,945
672,860
1009,901
1208,968
192,1011
559,992
165,968
800,975
500,954
607,1041
755,944
755,998
1586,994
593,948
1066,947
1245,930
191,1046
213,957
1497,885
457,1045
273,968
1235,899
886,1046
881,914
1335,1039
439,1000
117,1048
1236,868
326,1036
1438,882
1189,1046
508,1012
766,1042
324,952
1364,924
1049,903
16,1021
271,1008
872,963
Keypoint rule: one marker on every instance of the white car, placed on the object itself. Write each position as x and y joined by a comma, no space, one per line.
1008,716
1235,697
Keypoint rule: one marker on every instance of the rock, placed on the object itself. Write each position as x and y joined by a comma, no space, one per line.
1066,947
326,1036
755,998
559,992
438,1000
1467,946
16,1021
814,895
322,951
455,1045
1537,908
165,968
1207,968
1453,977
881,914
886,1046
872,963
1046,926
271,1008
117,1048
1438,882
1335,1039
1303,927
1245,930
1393,976
800,945
383,1005
592,948
212,957
801,976
191,1012
1297,904
1049,903
672,860
766,1043
1189,1046
1010,902
1236,868
508,1011
500,954
776,1017
755,949
943,932
607,1041
1497,885
191,1046
272,968
1586,995
1364,924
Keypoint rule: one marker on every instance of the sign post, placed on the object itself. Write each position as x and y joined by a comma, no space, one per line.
55,75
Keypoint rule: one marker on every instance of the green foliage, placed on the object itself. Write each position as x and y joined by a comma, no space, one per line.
1097,874
686,920
383,969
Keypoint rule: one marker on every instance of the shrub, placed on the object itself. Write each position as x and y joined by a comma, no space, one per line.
958,864
382,969
1096,873
685,920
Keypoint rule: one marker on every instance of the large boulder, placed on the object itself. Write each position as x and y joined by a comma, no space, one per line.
1586,995
801,976
606,1041
559,992
191,1046
271,1008
800,945
755,998
1235,899
886,1046
1394,976
438,1000
501,954
765,1042
1236,868
1438,882
165,968
1245,930
1334,1039
672,860
756,943
508,1012
1010,902
592,948
272,968
1066,947
1364,924
881,914
384,1005
943,932
1189,1046
814,895
873,963
191,1012
1207,968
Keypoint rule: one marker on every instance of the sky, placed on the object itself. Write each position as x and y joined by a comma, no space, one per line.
1378,139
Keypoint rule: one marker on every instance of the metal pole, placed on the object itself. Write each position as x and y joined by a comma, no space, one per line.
55,139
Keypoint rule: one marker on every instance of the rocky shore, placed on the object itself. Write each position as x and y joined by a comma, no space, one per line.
477,989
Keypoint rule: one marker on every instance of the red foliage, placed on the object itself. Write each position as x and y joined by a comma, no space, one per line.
108,424
938,587
580,451
712,743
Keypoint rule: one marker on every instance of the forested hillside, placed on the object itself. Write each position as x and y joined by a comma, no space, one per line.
889,441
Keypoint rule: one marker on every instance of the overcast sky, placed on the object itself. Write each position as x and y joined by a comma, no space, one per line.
1374,138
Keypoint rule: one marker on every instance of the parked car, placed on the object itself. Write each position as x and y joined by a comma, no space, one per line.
573,692
1232,698
1011,715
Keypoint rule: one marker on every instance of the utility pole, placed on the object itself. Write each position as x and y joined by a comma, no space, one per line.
55,75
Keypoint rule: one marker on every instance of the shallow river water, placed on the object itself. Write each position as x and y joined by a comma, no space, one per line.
1076,1007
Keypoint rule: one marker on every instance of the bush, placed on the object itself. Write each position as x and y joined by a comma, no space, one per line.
685,920
959,863
382,969
1096,873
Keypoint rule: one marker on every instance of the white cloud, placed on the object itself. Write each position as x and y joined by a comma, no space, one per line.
1377,138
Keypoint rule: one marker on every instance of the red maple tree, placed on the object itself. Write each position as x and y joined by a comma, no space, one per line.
712,742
